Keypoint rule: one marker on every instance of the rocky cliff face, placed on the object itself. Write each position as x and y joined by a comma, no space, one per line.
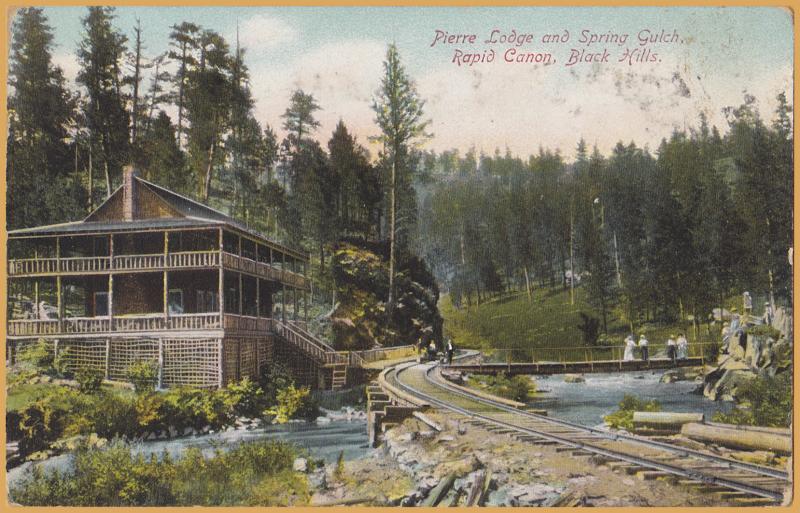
361,276
767,351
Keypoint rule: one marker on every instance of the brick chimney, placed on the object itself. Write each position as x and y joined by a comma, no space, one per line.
128,201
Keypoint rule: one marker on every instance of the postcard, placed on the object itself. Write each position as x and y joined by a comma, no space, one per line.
399,256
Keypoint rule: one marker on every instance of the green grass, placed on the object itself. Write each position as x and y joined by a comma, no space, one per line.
525,329
19,396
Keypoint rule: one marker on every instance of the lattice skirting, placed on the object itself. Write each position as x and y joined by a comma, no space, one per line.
201,362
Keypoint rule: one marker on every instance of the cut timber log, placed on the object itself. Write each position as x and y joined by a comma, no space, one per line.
427,420
738,438
477,488
440,490
664,418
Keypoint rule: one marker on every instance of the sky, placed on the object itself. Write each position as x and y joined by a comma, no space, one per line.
704,60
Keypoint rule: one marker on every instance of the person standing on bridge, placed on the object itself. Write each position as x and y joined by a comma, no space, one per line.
643,347
630,346
672,347
450,350
683,347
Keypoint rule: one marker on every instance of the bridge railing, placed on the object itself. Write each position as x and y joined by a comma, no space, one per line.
703,350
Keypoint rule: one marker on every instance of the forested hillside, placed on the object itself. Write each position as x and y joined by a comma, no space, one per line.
653,235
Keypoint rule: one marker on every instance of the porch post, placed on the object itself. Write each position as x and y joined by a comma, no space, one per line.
166,279
241,294
35,289
58,284
296,308
111,284
305,290
258,296
160,363
283,287
221,293
108,357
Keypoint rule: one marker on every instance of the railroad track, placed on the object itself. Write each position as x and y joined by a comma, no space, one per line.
743,482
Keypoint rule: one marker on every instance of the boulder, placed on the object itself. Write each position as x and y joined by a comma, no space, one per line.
300,465
574,378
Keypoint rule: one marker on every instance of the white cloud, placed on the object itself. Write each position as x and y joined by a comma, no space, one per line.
68,62
342,76
262,32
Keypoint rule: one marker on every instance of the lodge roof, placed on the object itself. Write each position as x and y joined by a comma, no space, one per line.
158,208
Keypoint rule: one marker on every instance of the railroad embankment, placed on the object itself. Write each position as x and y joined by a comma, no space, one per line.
465,464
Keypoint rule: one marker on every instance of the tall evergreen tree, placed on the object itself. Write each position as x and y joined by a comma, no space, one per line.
398,111
40,111
100,55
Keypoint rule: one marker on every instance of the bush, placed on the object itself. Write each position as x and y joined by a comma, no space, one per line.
245,398
765,401
290,400
37,356
144,375
89,379
516,388
623,418
256,473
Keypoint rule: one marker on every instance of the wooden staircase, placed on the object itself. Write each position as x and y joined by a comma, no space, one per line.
316,349
339,379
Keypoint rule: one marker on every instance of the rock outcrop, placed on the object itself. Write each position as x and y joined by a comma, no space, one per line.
361,275
767,351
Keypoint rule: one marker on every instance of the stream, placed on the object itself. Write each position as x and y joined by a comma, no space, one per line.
322,441
586,403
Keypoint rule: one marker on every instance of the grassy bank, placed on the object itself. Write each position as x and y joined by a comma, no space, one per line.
528,327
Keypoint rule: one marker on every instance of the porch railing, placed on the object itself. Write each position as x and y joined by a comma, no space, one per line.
156,261
311,346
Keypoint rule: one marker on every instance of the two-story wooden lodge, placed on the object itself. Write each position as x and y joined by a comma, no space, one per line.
152,275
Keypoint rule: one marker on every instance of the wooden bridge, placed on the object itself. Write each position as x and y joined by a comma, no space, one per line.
578,367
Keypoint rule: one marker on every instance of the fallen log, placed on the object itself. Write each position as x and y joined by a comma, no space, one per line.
665,418
759,429
344,502
477,488
738,438
439,491
427,420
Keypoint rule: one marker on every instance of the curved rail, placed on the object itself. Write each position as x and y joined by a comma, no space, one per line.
591,440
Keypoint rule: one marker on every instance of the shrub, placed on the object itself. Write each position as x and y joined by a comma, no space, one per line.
256,473
516,388
89,379
289,401
37,356
623,418
46,419
245,398
768,400
590,328
338,472
144,375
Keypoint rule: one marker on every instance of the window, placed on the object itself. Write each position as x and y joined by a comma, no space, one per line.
175,301
207,301
101,304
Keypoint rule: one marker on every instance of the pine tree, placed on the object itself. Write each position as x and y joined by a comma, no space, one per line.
40,190
208,107
163,162
100,54
399,114
183,40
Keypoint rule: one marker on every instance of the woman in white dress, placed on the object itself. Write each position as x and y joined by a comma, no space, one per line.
683,347
630,345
